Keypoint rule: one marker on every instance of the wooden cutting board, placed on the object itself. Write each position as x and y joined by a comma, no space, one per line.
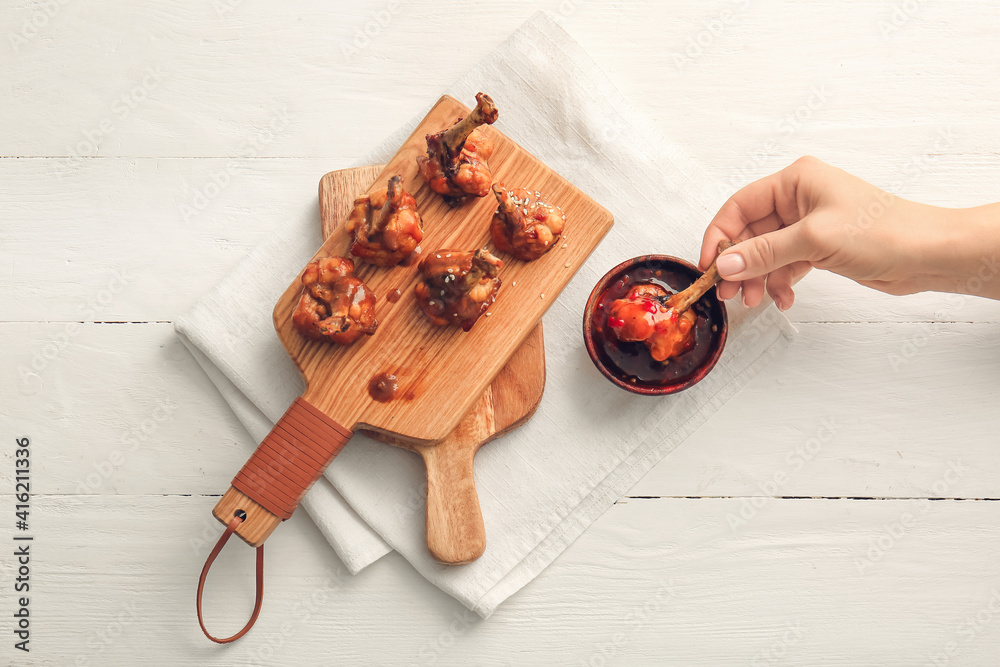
442,371
455,530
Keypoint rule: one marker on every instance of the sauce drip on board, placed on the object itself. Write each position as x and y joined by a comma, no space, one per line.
393,296
632,360
383,387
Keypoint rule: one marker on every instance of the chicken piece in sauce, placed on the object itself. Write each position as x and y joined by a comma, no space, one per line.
457,286
385,225
335,304
642,317
455,164
524,224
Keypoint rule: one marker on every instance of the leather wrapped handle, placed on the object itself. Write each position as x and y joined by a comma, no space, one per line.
281,471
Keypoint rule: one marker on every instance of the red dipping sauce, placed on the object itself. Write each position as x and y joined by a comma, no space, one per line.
629,364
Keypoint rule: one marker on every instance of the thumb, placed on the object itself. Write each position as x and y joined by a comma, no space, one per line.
762,254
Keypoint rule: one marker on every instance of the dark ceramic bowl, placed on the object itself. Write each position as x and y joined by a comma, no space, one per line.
629,365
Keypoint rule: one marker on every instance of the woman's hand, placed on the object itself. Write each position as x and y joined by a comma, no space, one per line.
811,214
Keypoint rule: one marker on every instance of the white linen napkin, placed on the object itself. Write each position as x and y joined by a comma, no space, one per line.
589,442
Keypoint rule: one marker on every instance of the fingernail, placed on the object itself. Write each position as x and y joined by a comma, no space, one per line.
730,264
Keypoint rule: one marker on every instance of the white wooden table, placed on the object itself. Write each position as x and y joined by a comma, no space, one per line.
146,146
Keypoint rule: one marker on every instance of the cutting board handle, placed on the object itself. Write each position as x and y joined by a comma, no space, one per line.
284,467
455,530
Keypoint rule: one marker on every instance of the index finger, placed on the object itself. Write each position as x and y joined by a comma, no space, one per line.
753,202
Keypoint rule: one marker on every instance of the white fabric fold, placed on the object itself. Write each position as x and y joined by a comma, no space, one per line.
589,442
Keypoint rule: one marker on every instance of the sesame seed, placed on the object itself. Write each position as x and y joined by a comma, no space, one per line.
565,244
515,284
542,296
566,265
488,314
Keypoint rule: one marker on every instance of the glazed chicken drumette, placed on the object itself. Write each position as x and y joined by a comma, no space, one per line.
335,304
457,286
643,316
524,224
385,225
455,163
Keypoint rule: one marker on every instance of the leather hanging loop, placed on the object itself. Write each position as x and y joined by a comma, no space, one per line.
233,523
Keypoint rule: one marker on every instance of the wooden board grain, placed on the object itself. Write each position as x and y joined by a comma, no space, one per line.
454,522
440,372
432,363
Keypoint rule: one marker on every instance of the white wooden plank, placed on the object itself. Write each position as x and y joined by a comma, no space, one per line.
652,582
184,79
854,410
115,409
227,66
849,410
128,239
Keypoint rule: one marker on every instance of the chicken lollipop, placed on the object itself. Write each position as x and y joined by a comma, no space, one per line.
386,226
524,224
335,304
455,163
664,323
643,316
456,286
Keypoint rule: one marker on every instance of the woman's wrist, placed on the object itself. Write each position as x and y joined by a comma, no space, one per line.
968,251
